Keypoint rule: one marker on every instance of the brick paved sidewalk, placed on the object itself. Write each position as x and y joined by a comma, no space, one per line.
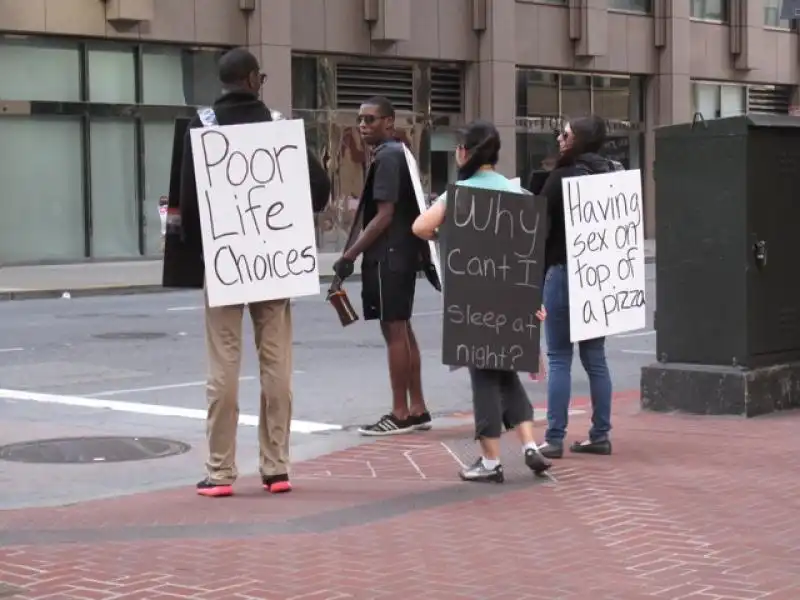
687,508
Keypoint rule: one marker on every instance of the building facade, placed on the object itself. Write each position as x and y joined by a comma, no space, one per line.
89,91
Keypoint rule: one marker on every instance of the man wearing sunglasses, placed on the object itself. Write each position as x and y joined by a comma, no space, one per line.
389,267
241,79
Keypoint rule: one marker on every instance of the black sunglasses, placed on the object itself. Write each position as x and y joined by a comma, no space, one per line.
368,119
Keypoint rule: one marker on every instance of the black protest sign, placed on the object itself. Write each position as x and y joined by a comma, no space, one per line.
493,275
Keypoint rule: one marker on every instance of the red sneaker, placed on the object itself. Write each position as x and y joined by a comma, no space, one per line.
210,489
277,484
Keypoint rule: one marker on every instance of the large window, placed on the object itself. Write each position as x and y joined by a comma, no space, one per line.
714,101
115,206
305,83
576,95
158,138
41,189
179,76
710,10
544,94
772,15
86,158
326,94
639,6
538,93
50,72
612,97
545,100
112,74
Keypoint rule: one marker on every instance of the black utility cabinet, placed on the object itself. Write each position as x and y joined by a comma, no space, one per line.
727,268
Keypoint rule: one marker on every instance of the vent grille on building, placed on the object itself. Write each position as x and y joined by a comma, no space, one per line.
769,99
446,90
355,82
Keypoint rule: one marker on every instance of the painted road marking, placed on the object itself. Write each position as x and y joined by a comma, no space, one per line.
150,409
168,386
650,352
157,388
11,349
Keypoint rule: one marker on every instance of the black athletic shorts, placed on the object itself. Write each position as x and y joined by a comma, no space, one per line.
387,294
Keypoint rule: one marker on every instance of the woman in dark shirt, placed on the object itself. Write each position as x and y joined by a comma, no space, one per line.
579,144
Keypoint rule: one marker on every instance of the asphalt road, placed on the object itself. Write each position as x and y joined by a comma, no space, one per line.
148,350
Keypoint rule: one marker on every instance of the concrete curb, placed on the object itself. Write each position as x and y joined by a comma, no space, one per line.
112,290
129,290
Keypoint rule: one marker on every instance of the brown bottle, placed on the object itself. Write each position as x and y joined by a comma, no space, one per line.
341,304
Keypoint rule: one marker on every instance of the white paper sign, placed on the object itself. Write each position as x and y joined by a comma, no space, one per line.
604,222
254,195
413,169
518,182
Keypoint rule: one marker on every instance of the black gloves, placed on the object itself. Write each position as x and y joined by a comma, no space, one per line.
343,268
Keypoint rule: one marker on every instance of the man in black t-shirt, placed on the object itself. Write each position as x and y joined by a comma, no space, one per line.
391,260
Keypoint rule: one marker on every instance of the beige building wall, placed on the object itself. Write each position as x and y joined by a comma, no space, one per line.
497,32
492,37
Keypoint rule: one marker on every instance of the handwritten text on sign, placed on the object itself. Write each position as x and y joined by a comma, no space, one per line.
256,214
494,255
605,253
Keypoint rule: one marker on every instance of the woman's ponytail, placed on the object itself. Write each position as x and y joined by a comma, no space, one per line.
482,143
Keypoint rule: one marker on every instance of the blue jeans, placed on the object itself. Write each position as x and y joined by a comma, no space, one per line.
559,354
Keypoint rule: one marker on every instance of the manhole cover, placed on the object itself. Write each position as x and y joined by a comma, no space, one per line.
130,335
84,450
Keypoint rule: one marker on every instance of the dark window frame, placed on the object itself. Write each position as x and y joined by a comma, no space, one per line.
636,7
702,13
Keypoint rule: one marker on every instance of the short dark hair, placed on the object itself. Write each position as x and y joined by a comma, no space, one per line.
383,104
236,65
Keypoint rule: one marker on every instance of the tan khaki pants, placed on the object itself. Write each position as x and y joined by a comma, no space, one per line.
272,324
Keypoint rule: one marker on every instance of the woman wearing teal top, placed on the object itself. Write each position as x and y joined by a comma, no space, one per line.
498,397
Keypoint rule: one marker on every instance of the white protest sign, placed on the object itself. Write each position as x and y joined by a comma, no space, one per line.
413,169
604,222
518,182
257,221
